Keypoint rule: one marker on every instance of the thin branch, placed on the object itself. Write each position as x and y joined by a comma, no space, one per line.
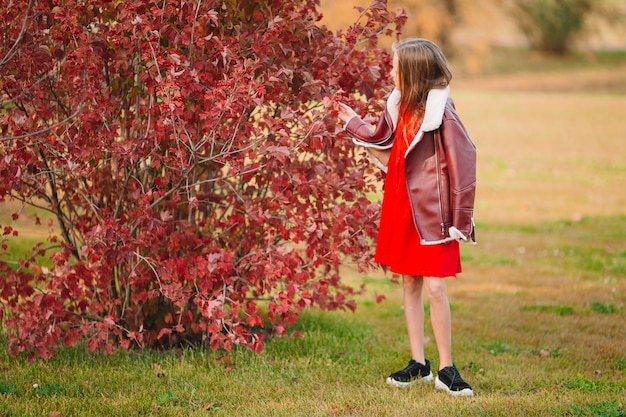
13,49
49,128
46,76
193,27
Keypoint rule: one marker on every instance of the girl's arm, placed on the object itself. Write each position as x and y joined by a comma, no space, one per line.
378,142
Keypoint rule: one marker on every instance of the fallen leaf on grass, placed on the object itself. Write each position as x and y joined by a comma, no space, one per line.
211,407
55,414
158,370
543,353
225,361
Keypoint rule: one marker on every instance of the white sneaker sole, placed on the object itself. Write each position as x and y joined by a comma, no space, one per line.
398,384
467,392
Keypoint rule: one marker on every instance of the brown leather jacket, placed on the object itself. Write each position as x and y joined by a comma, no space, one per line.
440,167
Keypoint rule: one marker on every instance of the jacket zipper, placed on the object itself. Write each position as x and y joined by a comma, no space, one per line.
443,226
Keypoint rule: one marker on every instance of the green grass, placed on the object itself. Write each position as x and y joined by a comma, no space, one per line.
506,60
29,233
556,309
551,346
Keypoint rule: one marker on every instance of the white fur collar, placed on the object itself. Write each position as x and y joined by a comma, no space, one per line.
433,115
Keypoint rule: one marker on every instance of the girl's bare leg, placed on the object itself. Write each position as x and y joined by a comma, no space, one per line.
440,318
414,315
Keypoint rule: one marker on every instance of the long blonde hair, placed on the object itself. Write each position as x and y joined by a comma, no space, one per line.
422,66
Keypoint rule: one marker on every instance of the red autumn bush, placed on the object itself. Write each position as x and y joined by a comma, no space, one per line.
194,174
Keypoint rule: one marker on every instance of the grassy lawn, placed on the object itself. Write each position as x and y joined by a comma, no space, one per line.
538,323
539,315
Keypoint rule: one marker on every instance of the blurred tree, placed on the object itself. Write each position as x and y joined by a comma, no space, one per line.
553,25
432,19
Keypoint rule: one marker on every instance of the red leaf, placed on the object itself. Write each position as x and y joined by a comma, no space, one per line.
164,331
279,152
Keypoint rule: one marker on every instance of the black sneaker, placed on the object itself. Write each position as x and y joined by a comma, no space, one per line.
450,381
410,374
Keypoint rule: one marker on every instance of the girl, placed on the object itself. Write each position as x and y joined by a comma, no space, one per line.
428,200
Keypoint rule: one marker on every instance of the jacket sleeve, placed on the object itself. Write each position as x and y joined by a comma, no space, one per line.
362,134
381,139
461,157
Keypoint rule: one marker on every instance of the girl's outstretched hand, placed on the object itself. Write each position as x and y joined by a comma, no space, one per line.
345,112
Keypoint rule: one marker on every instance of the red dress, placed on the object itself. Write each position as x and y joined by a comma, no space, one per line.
398,245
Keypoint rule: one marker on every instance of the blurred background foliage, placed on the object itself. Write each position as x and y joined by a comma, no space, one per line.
469,32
